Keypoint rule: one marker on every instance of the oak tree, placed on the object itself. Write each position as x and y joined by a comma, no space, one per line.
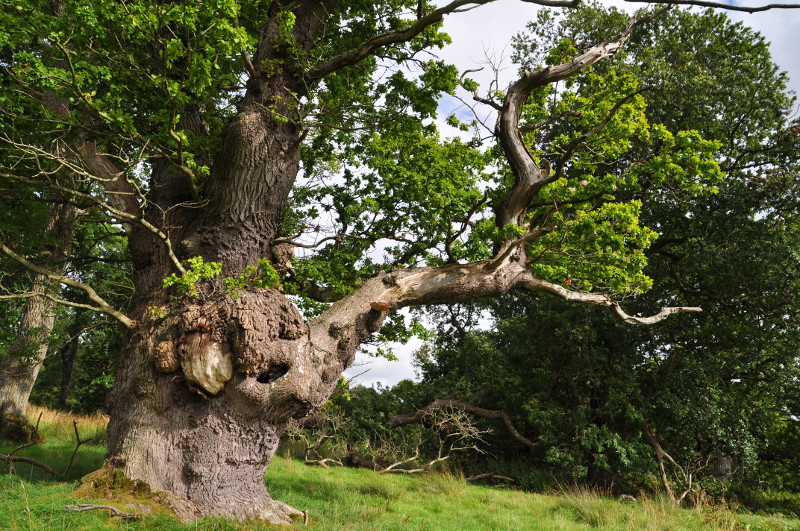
222,135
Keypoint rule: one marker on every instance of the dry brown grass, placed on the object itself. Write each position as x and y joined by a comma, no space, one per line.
59,424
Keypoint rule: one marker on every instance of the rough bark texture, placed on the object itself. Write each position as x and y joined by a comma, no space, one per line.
212,450
25,356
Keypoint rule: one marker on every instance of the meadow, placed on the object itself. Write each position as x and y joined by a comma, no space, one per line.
341,498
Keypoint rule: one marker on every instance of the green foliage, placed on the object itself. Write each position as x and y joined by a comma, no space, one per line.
263,276
196,270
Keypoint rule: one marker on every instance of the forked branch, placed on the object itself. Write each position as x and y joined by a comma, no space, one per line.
490,414
531,176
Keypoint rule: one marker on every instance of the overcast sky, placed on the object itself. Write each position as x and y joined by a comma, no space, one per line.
488,29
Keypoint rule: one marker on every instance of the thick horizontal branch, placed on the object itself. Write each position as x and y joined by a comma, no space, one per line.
719,5
102,305
489,414
423,21
349,321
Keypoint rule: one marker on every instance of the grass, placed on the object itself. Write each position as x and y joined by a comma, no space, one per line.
58,424
351,499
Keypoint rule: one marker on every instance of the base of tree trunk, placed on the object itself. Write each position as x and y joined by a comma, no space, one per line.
18,430
115,488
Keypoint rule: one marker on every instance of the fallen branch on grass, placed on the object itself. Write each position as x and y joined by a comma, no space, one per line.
10,458
90,507
323,462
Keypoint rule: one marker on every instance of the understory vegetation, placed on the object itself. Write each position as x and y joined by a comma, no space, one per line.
345,498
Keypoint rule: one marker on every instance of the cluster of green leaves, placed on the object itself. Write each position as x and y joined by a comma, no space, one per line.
385,181
136,68
262,276
196,270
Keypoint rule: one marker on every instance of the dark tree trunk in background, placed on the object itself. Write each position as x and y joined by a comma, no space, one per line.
25,356
68,356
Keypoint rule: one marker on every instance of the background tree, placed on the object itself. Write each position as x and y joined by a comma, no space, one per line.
187,125
717,393
26,353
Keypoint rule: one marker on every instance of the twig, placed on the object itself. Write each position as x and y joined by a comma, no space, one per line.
78,445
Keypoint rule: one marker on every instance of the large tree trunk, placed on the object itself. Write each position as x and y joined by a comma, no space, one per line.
26,354
205,384
202,397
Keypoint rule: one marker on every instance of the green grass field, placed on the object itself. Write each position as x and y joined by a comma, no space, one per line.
350,499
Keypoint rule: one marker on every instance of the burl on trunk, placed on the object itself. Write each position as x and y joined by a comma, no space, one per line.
202,399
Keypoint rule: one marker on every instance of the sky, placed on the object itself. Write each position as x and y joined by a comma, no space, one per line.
488,30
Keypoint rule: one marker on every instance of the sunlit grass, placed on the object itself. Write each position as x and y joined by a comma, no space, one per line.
348,499
59,424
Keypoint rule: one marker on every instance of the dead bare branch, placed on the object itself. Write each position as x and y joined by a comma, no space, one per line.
491,414
102,305
78,443
91,507
719,5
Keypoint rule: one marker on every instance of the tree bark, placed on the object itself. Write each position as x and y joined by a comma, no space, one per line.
209,447
27,352
202,394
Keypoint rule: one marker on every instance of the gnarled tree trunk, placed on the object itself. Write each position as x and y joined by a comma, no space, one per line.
202,397
205,384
